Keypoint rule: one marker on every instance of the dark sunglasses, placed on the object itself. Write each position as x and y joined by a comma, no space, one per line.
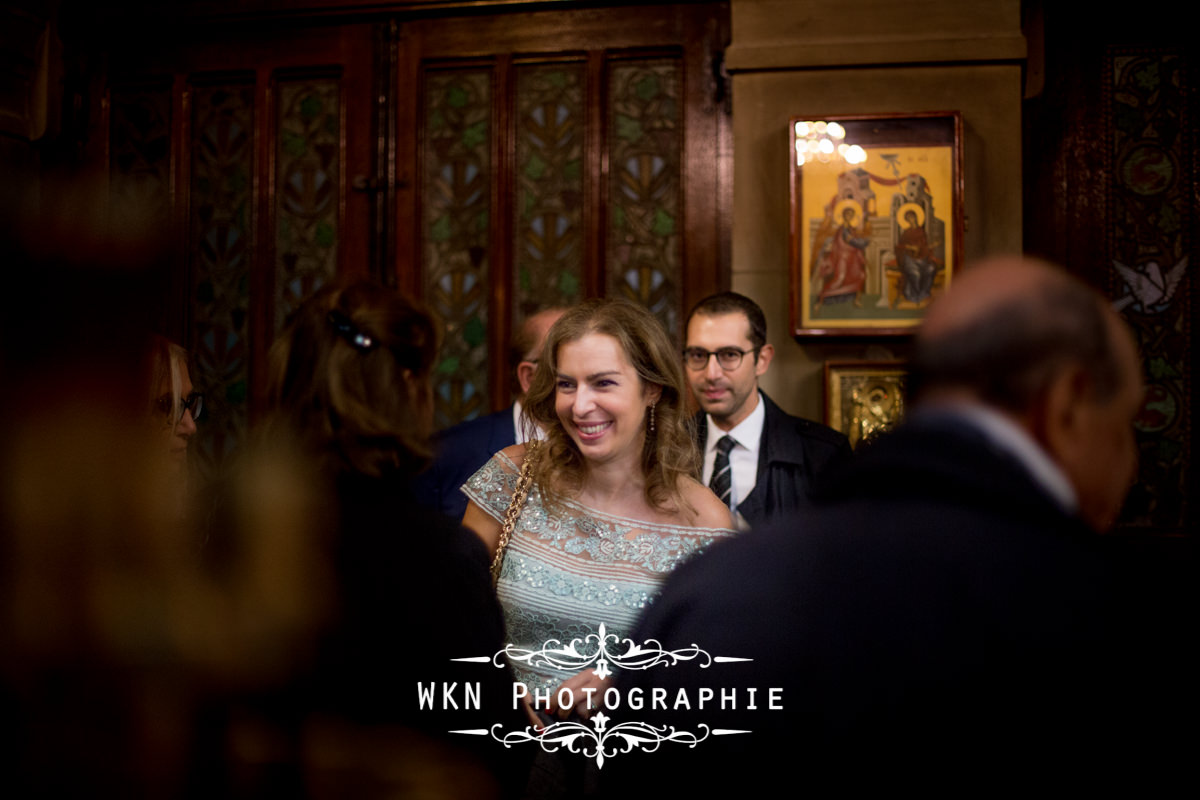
194,402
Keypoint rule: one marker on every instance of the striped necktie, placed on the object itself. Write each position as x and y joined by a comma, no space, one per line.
722,477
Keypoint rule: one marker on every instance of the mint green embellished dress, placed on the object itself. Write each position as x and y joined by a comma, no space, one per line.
565,572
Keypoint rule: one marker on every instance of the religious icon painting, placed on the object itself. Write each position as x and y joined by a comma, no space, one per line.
876,220
864,398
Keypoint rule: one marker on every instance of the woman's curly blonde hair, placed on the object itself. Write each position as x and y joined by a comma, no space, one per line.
668,454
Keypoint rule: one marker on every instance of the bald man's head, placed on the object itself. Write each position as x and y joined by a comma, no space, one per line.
526,347
1006,326
1024,338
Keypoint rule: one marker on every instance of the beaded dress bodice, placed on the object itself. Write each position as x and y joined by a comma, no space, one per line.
570,568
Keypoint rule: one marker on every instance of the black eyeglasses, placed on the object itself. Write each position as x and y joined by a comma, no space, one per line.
346,329
728,357
194,402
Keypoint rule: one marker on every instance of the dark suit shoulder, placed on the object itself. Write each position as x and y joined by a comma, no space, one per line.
819,440
817,432
473,429
458,452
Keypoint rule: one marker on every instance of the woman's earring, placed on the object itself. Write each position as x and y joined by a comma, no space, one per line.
650,426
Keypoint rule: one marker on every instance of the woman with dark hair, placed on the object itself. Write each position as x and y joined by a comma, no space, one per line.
349,391
612,505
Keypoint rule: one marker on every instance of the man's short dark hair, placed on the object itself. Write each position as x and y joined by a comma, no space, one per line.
523,340
1010,355
734,303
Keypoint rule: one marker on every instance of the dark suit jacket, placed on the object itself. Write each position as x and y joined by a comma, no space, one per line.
458,452
934,619
793,453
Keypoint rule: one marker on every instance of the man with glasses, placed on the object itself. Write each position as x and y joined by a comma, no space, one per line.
466,447
760,460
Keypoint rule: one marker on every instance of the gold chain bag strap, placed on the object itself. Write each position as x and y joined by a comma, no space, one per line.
524,480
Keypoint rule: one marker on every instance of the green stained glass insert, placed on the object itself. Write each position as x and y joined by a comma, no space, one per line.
647,87
222,156
628,129
456,178
475,332
457,96
664,224
618,218
325,235
441,230
307,190
310,107
568,284
293,145
475,135
1159,368
1152,226
535,168
644,250
548,233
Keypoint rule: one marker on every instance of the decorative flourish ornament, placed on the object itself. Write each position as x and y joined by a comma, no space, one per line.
597,740
602,744
650,653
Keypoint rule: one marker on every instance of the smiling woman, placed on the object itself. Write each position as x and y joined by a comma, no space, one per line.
611,364
602,403
613,504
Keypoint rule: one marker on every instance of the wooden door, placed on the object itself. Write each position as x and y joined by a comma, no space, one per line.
245,142
551,156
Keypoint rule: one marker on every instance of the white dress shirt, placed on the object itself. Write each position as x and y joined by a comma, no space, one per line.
523,426
743,458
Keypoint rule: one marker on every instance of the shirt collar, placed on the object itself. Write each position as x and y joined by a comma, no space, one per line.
523,425
747,433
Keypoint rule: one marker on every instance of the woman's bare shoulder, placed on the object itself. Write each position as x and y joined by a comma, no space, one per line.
710,512
514,454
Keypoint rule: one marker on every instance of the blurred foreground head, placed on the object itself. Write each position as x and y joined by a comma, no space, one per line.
349,379
114,631
1024,338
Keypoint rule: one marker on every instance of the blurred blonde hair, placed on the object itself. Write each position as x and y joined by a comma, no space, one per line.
166,362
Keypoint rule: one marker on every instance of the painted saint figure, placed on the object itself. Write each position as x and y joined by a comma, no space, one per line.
915,260
842,267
